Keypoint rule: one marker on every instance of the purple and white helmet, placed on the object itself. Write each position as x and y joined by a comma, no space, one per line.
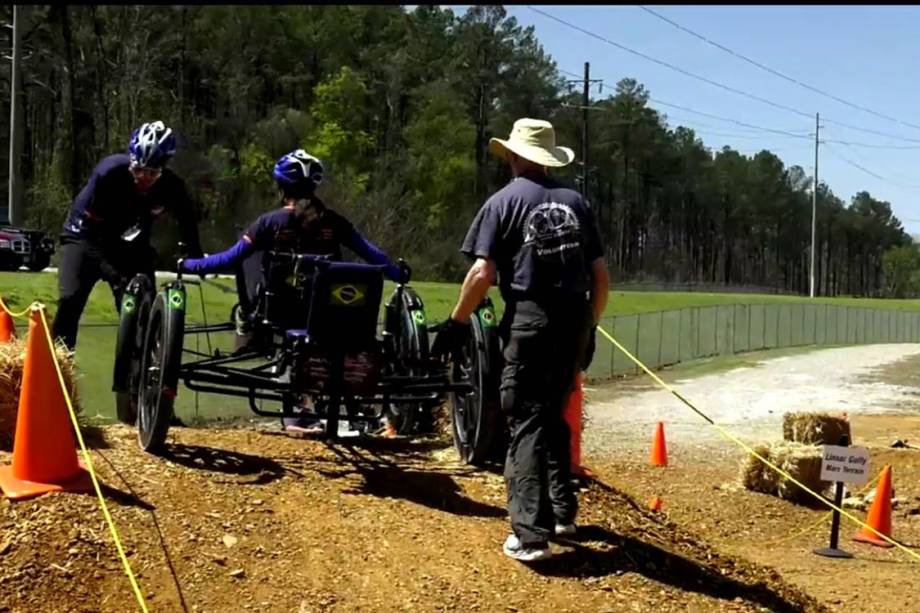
152,145
298,172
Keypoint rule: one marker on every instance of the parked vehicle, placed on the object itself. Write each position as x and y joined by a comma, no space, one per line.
21,247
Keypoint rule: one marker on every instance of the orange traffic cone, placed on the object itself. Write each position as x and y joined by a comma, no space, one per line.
879,513
44,456
572,414
659,456
7,327
656,504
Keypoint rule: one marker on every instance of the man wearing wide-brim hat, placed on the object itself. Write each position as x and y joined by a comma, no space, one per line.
539,240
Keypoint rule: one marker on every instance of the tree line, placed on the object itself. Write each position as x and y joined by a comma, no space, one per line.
400,105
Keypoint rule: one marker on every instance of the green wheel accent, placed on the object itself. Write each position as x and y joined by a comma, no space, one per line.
487,317
419,317
176,300
128,305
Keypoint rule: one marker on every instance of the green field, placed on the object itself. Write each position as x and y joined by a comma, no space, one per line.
97,333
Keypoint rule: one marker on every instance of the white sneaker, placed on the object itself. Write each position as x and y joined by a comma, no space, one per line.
565,529
514,549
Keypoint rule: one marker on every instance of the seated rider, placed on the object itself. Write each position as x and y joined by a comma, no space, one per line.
303,225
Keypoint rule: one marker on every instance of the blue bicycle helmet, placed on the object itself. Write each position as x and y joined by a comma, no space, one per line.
298,173
152,145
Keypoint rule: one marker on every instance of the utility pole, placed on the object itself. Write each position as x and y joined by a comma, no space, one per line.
585,107
584,131
814,209
14,202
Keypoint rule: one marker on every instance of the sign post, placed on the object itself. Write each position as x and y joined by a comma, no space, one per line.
842,464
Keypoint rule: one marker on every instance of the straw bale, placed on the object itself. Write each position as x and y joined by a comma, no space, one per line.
757,476
814,428
803,462
12,357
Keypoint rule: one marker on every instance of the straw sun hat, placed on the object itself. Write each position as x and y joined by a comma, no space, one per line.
534,140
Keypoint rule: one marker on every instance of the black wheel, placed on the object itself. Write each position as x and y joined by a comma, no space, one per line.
39,262
476,416
135,307
405,320
10,261
330,409
159,372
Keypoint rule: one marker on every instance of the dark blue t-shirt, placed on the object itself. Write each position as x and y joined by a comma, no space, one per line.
320,232
108,205
542,236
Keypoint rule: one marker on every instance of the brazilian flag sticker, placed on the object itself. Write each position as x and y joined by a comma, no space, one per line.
176,299
419,317
128,304
487,317
348,294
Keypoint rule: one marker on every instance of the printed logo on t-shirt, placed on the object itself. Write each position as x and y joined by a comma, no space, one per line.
552,228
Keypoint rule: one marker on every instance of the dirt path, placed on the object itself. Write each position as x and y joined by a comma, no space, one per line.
875,384
751,401
251,521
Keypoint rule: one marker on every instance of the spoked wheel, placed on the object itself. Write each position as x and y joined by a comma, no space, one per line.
159,373
135,307
475,416
406,322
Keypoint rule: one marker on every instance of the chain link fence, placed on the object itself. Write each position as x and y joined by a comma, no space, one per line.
664,338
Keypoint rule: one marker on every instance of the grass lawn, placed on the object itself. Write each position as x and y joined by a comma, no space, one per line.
97,333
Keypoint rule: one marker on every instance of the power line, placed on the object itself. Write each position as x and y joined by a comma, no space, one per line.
736,91
672,66
893,182
730,120
869,172
787,133
777,73
869,131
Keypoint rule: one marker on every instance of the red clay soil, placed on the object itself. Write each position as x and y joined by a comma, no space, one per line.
240,520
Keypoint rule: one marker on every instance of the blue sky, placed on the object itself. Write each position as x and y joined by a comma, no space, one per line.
866,55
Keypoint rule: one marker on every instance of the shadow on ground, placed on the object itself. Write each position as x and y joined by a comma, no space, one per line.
612,553
224,461
409,478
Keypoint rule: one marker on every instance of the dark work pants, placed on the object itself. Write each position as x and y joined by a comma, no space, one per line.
544,345
83,263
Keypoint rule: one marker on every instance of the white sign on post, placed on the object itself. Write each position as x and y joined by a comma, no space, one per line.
845,464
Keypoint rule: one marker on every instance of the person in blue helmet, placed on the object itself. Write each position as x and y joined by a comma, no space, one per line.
302,224
107,232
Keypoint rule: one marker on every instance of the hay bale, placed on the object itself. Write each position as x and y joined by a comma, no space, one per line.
757,476
12,358
814,428
803,462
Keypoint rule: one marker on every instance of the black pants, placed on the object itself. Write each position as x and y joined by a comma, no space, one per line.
83,263
544,344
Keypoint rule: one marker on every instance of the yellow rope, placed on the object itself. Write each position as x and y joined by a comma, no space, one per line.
820,521
731,437
87,459
22,313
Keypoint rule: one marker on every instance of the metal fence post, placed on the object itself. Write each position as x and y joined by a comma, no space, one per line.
715,334
696,353
660,336
814,335
765,326
638,325
680,329
613,348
